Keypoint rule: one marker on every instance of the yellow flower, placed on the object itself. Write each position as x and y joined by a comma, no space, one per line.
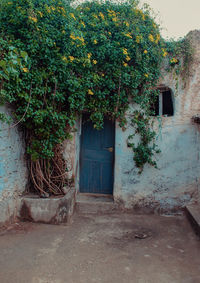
151,38
80,38
114,19
9,3
83,24
60,7
53,8
89,55
125,52
34,19
63,31
138,39
62,11
48,10
125,64
95,41
90,92
72,15
111,13
101,15
102,74
145,51
164,52
146,75
109,33
25,70
157,38
40,13
128,58
174,60
128,35
72,36
127,24
64,59
94,62
95,16
71,58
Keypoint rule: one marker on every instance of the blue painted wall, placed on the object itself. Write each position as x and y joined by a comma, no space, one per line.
12,163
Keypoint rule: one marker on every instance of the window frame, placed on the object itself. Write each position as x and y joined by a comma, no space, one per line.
163,89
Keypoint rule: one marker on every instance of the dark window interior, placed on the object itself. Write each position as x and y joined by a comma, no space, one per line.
167,103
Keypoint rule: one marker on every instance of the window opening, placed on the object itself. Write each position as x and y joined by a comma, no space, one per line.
167,104
163,104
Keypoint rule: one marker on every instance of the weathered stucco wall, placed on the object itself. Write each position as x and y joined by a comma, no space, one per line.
13,173
176,181
71,153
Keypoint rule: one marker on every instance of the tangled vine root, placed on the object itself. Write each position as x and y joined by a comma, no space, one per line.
48,177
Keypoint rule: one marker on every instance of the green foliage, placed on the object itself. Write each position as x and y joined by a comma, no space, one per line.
97,57
11,60
180,54
146,148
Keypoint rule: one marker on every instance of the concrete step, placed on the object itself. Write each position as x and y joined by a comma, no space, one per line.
193,213
93,203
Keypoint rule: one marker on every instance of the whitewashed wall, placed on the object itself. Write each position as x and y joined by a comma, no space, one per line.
176,181
13,172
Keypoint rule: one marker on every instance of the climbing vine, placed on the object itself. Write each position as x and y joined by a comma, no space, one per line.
98,57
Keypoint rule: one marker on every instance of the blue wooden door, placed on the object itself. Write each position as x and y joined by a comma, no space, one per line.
97,157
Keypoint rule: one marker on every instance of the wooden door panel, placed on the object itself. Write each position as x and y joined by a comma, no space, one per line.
97,157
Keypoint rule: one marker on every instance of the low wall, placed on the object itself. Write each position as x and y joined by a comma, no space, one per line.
50,210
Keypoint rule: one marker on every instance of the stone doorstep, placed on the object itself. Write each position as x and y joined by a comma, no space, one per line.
193,214
102,204
93,203
48,210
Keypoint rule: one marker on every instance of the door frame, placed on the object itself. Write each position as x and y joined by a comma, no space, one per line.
78,165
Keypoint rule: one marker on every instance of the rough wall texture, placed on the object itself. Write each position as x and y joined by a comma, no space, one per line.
13,173
71,151
176,181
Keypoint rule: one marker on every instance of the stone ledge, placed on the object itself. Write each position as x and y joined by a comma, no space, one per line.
193,214
48,210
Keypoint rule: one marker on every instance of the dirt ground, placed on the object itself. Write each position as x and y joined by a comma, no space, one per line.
118,248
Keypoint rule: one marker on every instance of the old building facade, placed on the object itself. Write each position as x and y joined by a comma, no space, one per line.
169,187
